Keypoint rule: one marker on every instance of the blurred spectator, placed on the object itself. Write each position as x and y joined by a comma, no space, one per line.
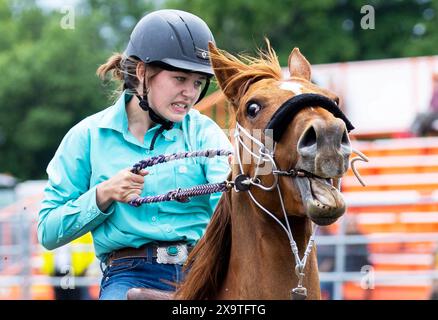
356,257
357,254
426,123
326,263
7,189
434,292
433,106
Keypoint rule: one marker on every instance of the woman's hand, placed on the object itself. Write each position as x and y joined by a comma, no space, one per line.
123,187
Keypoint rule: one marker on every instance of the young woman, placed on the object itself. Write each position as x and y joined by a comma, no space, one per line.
164,71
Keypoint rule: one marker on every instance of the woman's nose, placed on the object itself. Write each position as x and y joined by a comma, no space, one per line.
190,91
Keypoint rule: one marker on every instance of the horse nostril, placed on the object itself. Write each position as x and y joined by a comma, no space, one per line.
308,139
345,139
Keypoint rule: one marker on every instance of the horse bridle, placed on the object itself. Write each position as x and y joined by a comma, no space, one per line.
278,124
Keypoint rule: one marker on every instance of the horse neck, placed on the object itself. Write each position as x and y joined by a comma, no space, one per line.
261,264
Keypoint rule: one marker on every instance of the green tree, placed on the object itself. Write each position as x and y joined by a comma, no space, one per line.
47,84
325,30
48,81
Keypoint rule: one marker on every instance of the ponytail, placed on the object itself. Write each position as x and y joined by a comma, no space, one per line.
121,69
113,64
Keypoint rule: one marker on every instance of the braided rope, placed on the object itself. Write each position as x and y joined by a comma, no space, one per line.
176,156
181,195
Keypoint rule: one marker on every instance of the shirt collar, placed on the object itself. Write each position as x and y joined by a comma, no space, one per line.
117,119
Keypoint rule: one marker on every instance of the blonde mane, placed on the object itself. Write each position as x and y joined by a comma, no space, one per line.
250,69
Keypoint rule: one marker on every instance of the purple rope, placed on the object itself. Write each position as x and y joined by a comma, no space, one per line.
175,156
181,195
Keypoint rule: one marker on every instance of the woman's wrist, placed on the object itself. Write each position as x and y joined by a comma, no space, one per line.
103,196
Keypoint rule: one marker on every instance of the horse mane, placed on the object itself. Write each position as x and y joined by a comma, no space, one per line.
249,69
207,264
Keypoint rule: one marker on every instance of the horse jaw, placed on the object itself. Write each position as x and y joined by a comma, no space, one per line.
322,202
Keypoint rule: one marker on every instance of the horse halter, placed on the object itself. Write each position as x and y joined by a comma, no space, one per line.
289,109
279,121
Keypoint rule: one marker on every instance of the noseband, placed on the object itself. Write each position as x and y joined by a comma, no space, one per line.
281,119
279,122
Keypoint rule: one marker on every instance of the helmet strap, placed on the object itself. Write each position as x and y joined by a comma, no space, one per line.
144,104
204,91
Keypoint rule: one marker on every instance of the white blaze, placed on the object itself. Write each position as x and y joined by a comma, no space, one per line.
291,86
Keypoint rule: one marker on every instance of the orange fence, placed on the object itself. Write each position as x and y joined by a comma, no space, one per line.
401,197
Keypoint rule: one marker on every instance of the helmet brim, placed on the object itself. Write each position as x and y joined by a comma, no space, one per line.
190,66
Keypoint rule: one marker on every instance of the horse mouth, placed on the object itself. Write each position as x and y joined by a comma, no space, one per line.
323,203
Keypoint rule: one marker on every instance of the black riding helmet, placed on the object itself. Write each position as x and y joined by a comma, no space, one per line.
173,40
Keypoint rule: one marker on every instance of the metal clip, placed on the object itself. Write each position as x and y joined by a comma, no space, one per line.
242,183
175,195
300,173
229,184
300,292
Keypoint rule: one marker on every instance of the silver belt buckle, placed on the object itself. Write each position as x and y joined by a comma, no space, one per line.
173,254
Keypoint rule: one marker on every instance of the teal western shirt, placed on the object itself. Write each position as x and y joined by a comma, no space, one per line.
97,148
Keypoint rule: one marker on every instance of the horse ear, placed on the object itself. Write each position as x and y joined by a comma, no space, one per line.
223,69
298,65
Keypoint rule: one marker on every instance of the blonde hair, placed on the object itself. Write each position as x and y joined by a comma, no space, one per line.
123,69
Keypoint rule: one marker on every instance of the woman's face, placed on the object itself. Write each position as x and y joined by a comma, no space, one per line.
173,93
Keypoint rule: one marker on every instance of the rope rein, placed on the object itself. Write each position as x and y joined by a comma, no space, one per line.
181,195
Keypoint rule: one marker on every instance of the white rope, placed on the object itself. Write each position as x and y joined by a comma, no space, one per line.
269,157
300,263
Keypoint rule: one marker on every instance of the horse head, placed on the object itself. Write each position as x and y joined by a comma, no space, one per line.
292,122
291,148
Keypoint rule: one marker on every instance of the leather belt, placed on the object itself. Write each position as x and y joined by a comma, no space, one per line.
144,251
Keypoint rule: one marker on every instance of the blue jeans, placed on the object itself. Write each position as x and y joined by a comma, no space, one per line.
126,273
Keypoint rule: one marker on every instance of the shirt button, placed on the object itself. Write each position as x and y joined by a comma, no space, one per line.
154,219
169,229
147,151
182,169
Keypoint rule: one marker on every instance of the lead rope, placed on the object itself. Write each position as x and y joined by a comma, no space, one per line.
181,195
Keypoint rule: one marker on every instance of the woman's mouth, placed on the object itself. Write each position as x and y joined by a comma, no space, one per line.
179,107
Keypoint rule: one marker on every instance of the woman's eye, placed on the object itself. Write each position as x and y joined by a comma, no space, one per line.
252,109
181,79
199,84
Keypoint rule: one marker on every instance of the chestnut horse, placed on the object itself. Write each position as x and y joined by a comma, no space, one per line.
291,149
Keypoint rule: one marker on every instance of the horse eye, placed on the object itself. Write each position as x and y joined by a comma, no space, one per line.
252,109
